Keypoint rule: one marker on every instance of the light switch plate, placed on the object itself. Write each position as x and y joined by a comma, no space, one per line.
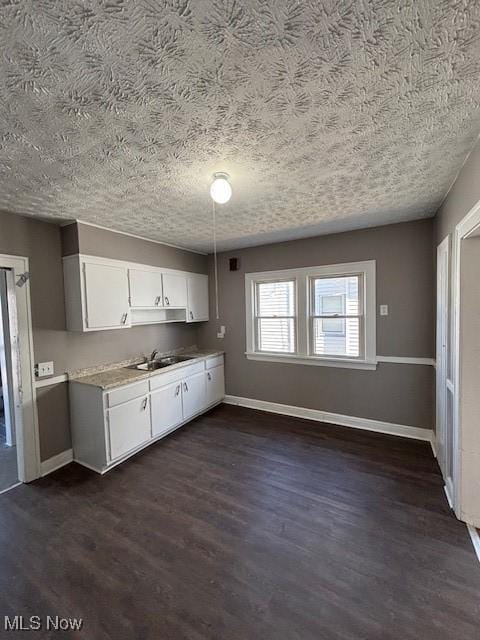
384,309
44,369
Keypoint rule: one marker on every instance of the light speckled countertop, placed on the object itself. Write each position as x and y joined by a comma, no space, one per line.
116,376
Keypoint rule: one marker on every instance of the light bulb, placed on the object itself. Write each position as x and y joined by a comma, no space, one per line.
220,190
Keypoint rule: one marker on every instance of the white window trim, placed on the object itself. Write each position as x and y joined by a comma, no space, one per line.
302,276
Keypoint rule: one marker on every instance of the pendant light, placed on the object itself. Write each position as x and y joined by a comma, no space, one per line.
220,192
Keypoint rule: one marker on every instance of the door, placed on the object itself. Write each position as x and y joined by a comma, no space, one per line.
129,426
444,386
106,296
145,288
166,408
174,291
197,288
215,385
193,395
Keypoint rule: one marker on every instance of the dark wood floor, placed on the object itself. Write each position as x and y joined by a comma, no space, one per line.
242,526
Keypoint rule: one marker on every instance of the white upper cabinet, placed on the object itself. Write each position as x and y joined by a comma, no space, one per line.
145,288
105,294
174,290
197,290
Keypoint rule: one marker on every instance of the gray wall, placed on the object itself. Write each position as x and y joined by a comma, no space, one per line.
464,193
394,392
41,242
83,238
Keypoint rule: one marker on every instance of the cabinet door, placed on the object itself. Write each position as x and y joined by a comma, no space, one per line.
193,394
106,296
129,426
145,288
174,290
197,290
166,408
215,384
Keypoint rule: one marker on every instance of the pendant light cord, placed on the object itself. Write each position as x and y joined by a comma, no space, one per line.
214,216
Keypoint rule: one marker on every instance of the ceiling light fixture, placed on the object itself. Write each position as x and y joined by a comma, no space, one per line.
220,189
220,192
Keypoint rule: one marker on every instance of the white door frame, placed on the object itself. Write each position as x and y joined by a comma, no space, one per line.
24,395
466,227
442,352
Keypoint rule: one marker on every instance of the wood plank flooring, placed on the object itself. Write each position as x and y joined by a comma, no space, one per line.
245,525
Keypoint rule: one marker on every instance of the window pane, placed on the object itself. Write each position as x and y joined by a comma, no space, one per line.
276,334
333,325
331,343
336,296
276,298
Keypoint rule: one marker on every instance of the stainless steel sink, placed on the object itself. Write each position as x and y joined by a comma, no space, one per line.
161,363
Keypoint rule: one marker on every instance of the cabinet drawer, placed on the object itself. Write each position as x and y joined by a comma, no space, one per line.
211,363
162,379
123,394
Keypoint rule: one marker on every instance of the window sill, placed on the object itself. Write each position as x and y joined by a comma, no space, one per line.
343,363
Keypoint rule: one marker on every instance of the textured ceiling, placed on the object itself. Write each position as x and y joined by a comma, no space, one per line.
328,114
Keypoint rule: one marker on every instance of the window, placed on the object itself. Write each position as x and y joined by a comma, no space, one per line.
275,316
336,316
317,315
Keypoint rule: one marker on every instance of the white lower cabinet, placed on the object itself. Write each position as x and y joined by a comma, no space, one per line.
193,395
166,408
108,426
128,426
215,385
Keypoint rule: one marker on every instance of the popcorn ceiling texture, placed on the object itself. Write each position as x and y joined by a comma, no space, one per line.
328,114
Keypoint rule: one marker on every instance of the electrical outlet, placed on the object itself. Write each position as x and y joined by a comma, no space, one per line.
43,369
384,309
221,333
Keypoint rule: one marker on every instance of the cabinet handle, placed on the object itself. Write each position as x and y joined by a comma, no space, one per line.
209,376
144,404
177,390
124,318
185,387
157,300
191,315
167,301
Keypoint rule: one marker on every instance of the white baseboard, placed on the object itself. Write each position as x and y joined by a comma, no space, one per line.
475,536
55,462
449,497
334,418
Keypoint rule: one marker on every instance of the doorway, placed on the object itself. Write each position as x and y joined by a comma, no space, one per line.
20,443
8,441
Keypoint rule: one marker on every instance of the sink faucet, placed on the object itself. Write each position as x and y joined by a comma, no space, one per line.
153,355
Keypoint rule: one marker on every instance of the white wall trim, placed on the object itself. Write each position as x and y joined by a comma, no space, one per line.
475,536
333,418
55,462
449,499
48,382
468,224
407,360
132,235
17,484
